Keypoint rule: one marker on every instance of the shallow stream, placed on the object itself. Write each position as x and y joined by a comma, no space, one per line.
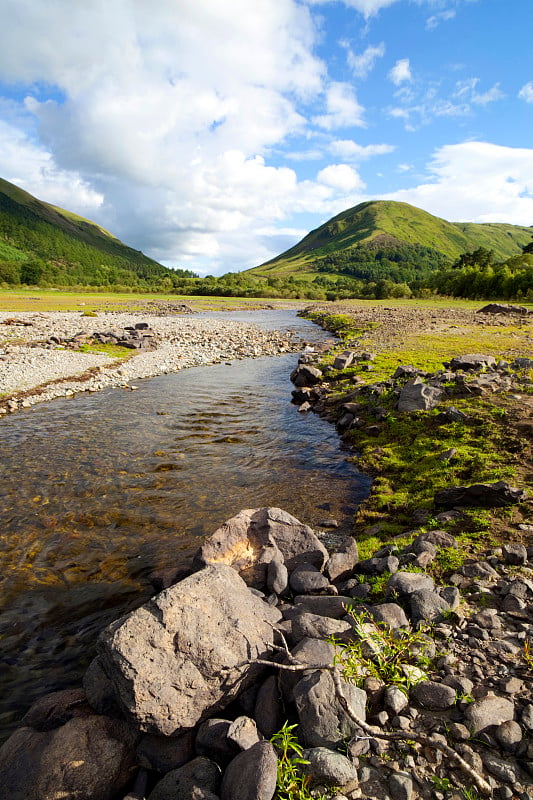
99,491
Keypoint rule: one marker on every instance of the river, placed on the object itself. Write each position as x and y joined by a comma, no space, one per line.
99,491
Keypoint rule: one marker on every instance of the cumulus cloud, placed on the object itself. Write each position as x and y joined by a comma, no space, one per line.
401,72
362,64
477,182
340,176
32,167
342,108
526,92
368,8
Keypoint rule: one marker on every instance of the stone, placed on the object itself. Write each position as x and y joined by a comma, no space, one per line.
478,569
401,786
56,708
502,768
395,700
178,659
344,359
269,712
433,695
163,754
200,773
312,652
323,721
474,361
378,565
85,758
418,396
277,575
316,627
451,414
329,768
502,308
404,583
242,541
515,554
323,605
490,710
508,735
243,732
341,563
307,579
485,495
427,605
212,741
306,375
390,614
252,775
441,539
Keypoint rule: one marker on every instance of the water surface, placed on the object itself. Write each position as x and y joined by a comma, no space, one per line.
100,491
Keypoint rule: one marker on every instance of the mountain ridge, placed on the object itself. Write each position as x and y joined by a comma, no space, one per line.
389,224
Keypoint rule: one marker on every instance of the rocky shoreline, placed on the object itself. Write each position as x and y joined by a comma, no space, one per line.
41,359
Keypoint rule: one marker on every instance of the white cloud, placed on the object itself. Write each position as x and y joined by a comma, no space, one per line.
477,182
342,108
442,16
348,149
340,176
368,8
31,167
363,64
526,92
466,90
401,72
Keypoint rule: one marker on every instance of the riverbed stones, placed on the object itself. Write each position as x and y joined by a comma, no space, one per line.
254,537
180,657
251,775
329,768
323,721
472,361
341,563
306,375
86,758
490,710
199,774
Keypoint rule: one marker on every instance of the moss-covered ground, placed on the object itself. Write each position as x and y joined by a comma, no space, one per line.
405,453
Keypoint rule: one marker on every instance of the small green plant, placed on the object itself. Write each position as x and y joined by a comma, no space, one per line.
291,783
470,793
441,784
397,657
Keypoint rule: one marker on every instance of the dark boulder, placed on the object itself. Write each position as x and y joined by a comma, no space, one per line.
486,495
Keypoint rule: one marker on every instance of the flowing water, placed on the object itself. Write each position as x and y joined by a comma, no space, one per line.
99,491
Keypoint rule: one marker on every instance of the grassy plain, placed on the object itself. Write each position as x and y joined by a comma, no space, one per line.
55,300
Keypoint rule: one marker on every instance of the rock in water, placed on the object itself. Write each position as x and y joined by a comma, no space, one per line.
175,660
254,537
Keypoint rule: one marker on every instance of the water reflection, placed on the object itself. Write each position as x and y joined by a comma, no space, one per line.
101,490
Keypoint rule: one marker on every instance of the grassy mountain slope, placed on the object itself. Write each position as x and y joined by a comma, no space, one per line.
63,246
388,225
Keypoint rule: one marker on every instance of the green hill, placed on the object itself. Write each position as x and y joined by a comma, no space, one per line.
41,243
383,238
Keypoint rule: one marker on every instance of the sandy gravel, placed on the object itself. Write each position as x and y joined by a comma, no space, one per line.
33,370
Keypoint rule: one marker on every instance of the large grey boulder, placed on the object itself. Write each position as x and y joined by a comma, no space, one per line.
488,711
485,495
179,658
256,536
84,759
418,396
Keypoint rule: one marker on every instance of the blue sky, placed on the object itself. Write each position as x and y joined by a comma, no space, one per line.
214,134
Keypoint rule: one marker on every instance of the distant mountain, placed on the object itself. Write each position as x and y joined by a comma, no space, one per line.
41,243
383,238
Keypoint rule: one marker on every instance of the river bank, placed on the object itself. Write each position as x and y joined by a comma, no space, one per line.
56,354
